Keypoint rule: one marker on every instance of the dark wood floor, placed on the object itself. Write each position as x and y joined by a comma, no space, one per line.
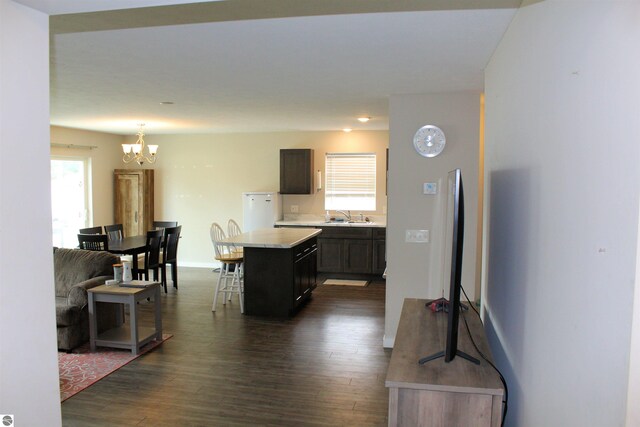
326,366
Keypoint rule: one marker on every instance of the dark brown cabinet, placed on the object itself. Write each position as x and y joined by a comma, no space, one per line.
305,272
379,250
358,256
330,255
353,250
278,281
296,171
357,250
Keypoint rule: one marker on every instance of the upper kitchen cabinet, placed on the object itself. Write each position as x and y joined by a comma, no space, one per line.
296,171
134,200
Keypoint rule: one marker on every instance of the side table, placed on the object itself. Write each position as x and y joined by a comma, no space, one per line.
125,336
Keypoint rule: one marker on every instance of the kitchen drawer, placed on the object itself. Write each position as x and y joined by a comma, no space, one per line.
339,232
304,248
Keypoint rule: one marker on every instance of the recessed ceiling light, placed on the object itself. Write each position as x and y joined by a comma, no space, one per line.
364,119
347,130
166,103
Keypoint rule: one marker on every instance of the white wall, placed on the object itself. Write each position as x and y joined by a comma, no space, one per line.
415,270
200,178
106,157
29,386
562,180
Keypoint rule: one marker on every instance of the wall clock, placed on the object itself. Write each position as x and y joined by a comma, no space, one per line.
429,141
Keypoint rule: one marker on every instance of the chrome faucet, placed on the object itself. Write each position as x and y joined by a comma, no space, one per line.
347,214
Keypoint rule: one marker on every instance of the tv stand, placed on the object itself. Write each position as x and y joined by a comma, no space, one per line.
440,354
439,393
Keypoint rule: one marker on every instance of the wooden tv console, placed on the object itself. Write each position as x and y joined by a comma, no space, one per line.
458,393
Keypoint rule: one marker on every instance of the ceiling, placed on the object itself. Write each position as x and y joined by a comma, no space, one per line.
255,66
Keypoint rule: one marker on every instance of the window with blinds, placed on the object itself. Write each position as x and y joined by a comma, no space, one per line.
350,181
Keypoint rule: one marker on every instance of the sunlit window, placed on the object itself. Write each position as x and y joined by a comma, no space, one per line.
350,181
69,199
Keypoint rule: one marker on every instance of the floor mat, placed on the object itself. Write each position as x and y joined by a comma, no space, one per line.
341,282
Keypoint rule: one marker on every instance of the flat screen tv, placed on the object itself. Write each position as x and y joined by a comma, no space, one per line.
454,240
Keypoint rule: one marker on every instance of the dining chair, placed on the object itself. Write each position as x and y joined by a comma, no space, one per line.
230,269
115,231
93,242
161,225
170,255
91,230
233,229
150,260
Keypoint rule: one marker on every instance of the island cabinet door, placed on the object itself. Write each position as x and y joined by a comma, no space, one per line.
268,282
304,272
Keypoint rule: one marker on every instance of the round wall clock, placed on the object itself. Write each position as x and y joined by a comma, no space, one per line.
429,141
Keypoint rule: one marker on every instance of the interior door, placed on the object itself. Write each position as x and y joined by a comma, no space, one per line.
127,203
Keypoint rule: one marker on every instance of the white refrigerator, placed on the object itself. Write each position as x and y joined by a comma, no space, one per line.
260,209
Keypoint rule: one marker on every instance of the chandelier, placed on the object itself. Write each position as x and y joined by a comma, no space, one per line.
135,152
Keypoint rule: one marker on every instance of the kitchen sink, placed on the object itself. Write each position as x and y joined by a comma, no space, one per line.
349,222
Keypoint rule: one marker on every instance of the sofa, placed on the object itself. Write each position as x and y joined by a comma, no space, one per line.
75,271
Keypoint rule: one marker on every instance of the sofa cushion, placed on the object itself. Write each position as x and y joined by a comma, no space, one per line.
72,266
66,315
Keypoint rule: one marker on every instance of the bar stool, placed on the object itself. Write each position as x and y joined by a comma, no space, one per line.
230,270
233,229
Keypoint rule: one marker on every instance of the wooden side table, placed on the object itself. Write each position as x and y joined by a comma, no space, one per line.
129,336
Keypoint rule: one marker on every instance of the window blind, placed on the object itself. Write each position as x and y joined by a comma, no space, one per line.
350,181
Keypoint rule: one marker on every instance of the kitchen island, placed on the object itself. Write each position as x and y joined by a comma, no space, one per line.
279,269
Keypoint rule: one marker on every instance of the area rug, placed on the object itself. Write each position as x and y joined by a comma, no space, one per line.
341,282
82,368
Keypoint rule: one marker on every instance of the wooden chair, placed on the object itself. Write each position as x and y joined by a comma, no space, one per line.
161,225
231,269
91,230
233,229
115,231
93,242
170,255
150,260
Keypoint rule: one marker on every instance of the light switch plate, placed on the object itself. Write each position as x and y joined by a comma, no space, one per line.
417,236
430,188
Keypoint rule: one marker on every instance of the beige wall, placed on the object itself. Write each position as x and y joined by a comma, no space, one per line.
562,212
200,178
29,387
415,270
104,159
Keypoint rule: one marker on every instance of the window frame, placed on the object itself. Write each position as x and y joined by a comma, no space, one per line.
357,192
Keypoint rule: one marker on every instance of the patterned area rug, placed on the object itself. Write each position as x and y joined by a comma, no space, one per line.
80,369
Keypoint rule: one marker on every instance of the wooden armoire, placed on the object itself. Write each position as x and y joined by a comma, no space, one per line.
133,200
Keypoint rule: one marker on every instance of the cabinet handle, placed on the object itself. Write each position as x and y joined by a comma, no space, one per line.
135,218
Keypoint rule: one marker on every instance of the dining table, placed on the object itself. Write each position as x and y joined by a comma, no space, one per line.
132,245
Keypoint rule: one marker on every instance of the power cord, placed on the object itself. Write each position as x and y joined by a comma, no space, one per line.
504,382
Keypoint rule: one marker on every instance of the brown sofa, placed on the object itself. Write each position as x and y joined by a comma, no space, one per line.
75,271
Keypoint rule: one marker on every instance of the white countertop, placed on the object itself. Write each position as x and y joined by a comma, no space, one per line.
315,223
279,238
